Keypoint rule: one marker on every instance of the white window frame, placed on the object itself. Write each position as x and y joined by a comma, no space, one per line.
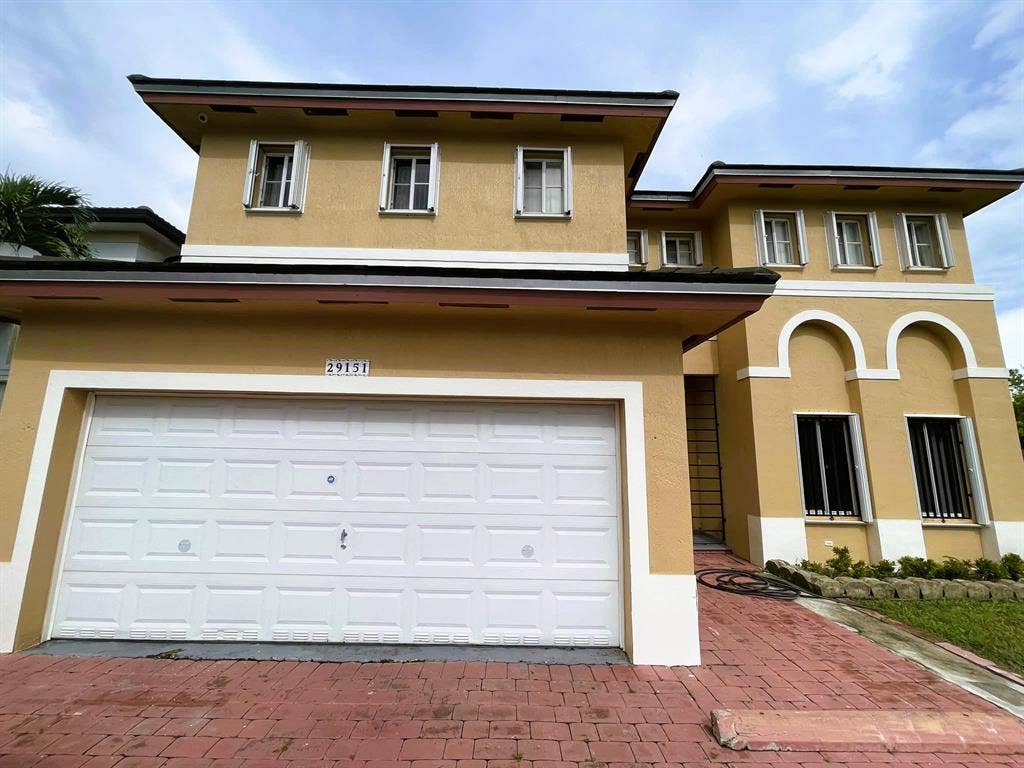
972,465
8,338
860,470
908,254
520,190
678,234
253,189
832,235
760,215
393,152
641,235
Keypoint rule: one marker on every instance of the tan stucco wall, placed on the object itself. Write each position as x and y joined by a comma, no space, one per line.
426,342
852,536
964,543
735,223
475,206
757,414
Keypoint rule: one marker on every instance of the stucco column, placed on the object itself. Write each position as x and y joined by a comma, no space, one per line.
896,529
987,403
776,528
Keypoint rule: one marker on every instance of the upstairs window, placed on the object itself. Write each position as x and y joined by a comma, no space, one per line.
946,469
924,241
832,477
543,182
636,247
781,241
681,249
853,240
409,179
275,179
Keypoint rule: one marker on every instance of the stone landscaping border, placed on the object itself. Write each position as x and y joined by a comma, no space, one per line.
893,588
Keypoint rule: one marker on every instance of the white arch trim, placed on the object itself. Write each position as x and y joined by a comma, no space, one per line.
971,370
782,370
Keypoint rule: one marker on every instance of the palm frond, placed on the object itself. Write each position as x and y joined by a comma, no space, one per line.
29,217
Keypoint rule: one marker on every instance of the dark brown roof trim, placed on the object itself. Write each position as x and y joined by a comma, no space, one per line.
142,215
840,175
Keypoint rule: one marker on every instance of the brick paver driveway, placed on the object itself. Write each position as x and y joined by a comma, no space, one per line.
149,713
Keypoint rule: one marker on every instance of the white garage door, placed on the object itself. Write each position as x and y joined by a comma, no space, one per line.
345,521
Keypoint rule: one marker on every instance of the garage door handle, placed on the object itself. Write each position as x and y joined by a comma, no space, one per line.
344,535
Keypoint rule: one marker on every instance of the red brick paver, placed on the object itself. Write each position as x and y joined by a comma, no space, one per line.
75,712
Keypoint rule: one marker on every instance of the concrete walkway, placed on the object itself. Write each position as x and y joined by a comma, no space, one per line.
95,712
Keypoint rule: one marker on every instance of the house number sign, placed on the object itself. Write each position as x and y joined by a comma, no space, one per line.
336,367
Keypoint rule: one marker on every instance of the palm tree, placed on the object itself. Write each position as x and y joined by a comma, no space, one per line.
52,219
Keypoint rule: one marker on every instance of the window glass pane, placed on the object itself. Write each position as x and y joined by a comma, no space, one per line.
552,174
921,231
839,475
8,335
533,173
684,249
420,196
633,248
939,468
851,243
780,247
3,388
671,252
826,466
403,171
422,167
810,467
553,200
532,198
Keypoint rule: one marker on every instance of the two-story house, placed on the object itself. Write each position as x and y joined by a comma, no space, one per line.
430,369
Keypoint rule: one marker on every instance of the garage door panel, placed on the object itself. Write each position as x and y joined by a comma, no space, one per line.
345,521
459,483
142,540
352,425
358,610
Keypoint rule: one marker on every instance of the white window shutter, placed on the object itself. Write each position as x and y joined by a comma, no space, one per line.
860,469
300,165
385,173
519,180
902,240
250,174
759,238
974,476
832,238
435,167
801,236
567,197
942,224
876,244
698,251
643,246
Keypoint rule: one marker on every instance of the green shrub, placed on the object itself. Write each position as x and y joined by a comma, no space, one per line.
917,566
1014,565
884,569
841,563
860,569
990,570
813,567
954,568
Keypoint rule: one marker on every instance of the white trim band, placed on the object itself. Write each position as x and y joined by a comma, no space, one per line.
888,290
403,257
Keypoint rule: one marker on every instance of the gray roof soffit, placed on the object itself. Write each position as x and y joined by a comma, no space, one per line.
753,282
144,84
867,172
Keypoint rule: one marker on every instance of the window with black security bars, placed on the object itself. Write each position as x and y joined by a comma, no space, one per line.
827,471
940,468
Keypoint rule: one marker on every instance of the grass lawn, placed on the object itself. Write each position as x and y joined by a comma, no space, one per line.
994,630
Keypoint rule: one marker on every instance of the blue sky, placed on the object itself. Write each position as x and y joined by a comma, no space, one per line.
884,83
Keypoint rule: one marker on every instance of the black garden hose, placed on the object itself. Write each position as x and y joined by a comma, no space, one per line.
740,582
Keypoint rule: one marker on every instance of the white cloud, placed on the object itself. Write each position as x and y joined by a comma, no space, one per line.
866,58
1011,333
1002,19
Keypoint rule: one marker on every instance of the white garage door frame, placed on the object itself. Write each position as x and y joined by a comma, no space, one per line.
662,607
